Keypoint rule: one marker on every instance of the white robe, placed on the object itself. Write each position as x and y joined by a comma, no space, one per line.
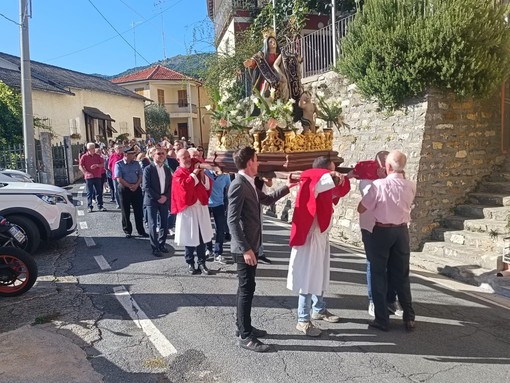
309,263
188,223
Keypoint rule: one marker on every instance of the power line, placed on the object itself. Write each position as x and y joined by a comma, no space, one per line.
118,33
12,21
113,37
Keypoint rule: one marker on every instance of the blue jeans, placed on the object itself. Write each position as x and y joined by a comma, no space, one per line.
221,223
307,302
94,189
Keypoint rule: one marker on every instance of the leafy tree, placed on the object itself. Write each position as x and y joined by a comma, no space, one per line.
157,121
397,49
11,116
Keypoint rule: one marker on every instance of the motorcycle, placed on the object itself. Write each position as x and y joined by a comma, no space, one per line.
18,270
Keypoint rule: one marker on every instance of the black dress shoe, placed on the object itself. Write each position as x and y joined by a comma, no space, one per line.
265,260
257,333
378,325
128,235
203,268
253,344
409,325
157,253
192,270
144,235
163,249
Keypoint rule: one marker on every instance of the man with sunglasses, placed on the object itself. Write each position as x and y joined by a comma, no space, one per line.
157,183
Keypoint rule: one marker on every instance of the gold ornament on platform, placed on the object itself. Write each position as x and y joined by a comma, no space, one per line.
234,139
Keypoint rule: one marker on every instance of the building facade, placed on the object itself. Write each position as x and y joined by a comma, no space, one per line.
183,97
75,104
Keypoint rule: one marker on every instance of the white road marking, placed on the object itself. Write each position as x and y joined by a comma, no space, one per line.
159,341
101,261
82,187
89,241
81,212
83,225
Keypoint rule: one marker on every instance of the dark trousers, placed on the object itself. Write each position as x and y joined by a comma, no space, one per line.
94,188
245,291
129,198
391,252
153,211
189,253
220,223
391,297
171,221
111,185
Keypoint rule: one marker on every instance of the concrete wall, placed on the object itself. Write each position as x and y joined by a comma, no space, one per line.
59,109
451,145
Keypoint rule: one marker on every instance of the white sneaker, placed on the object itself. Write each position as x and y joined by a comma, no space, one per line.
219,259
209,256
308,329
371,309
395,308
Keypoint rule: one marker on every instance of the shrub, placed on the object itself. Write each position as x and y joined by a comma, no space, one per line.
397,49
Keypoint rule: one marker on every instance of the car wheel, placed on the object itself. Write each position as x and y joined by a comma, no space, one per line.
27,226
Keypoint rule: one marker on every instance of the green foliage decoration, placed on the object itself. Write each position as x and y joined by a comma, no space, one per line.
397,49
157,121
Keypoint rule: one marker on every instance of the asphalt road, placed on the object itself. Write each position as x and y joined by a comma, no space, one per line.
144,319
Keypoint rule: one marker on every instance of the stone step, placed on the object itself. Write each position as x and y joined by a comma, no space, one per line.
491,199
494,187
460,255
490,226
485,278
483,211
476,241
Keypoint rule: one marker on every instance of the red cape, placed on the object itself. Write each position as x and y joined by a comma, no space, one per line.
184,191
307,206
366,170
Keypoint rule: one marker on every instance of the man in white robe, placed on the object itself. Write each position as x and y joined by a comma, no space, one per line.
191,189
320,188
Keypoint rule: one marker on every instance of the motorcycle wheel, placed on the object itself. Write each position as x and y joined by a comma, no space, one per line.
29,228
22,274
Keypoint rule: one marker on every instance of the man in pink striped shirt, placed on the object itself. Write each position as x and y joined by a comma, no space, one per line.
116,156
390,200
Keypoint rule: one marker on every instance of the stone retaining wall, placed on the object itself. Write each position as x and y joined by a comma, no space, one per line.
451,145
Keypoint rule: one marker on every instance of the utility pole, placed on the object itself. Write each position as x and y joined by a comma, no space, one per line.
160,4
26,88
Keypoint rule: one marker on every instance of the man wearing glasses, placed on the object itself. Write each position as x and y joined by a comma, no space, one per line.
157,181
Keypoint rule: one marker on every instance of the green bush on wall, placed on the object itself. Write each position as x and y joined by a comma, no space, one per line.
396,49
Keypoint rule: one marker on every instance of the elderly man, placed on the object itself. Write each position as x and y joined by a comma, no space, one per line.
92,166
390,200
191,189
128,173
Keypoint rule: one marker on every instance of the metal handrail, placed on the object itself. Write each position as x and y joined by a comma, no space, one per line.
316,48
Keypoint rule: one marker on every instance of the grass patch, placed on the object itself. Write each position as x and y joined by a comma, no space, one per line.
41,319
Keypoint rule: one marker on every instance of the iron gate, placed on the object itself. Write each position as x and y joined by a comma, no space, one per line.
60,164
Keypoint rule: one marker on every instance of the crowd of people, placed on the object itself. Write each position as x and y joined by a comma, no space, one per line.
172,191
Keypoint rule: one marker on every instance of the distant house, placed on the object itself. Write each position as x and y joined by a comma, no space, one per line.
183,97
76,104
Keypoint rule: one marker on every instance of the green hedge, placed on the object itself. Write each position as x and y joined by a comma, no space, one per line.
397,49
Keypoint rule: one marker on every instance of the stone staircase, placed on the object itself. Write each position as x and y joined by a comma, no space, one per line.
469,244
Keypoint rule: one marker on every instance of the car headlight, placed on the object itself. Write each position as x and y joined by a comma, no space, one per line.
52,199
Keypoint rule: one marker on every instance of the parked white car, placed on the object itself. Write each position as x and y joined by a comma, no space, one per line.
42,212
14,175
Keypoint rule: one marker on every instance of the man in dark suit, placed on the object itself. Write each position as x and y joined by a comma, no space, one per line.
157,181
243,220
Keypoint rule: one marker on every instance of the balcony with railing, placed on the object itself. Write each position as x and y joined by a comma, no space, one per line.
174,107
224,12
317,48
